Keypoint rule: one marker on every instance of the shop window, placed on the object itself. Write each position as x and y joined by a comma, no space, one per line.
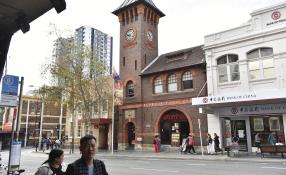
172,83
228,68
130,89
187,80
260,63
274,124
264,125
258,124
158,85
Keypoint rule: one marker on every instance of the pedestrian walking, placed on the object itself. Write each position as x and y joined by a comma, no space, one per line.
258,142
52,166
271,138
216,143
87,164
190,144
210,145
156,143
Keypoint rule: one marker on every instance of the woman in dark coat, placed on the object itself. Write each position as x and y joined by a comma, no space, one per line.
216,143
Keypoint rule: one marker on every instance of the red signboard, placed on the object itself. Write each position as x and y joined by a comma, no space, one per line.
174,117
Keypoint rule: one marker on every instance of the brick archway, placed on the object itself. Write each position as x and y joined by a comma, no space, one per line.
125,134
157,122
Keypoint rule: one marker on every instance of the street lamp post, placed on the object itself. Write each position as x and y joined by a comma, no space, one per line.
27,124
41,122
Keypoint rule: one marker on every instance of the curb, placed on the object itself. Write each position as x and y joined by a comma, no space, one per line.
206,158
134,156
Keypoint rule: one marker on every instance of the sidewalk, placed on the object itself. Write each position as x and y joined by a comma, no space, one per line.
241,157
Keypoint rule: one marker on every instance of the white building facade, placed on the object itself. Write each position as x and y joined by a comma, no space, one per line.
246,76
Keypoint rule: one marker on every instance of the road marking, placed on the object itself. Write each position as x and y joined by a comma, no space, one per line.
152,159
138,161
145,169
279,168
197,164
265,163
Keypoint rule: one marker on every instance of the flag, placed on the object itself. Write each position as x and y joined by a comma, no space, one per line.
115,75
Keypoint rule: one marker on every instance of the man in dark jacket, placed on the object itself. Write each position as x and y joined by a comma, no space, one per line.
87,165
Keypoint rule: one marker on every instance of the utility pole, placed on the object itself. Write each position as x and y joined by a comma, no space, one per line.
27,123
41,122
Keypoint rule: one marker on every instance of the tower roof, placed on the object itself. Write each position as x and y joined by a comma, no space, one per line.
128,3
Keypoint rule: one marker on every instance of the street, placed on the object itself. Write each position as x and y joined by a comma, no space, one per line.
30,161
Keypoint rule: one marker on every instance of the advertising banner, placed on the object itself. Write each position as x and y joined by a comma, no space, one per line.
8,115
2,110
118,93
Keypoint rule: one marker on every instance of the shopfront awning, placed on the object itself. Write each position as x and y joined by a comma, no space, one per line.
101,120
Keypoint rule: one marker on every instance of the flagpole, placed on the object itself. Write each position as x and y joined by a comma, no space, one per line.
112,130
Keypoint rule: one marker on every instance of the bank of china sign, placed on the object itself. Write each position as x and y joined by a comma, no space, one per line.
276,18
232,98
253,109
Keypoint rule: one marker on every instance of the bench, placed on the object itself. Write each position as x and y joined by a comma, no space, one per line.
273,149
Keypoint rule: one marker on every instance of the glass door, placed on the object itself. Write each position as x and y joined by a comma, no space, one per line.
238,131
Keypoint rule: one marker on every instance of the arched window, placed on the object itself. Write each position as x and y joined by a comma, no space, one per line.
260,63
172,83
228,68
187,80
158,85
130,89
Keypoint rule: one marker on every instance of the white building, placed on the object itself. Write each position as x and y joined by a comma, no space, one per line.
246,76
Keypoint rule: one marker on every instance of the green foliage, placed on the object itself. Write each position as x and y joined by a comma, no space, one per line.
82,78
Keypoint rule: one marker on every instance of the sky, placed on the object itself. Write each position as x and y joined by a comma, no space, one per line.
185,25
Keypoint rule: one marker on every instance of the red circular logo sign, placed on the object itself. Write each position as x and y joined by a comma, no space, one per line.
205,100
276,15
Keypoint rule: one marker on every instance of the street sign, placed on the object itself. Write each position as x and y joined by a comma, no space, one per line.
9,93
8,100
10,85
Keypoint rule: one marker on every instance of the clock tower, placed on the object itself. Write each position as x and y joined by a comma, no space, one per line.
138,48
138,42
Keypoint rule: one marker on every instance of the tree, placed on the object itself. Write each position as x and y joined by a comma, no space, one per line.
81,77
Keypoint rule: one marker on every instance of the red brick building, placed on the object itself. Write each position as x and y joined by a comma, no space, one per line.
157,89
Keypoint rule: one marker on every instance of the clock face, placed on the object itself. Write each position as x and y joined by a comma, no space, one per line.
130,35
149,35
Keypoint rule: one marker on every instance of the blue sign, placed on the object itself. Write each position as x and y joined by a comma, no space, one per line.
10,85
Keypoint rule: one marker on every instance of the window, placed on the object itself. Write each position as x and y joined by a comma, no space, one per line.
228,68
135,64
187,80
130,89
274,124
172,83
158,85
260,63
123,61
258,124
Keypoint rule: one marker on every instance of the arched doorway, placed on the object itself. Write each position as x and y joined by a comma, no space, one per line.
130,134
174,126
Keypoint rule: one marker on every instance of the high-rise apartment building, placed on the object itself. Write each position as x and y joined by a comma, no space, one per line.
98,42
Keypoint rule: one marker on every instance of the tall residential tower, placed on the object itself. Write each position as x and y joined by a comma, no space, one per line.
98,42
